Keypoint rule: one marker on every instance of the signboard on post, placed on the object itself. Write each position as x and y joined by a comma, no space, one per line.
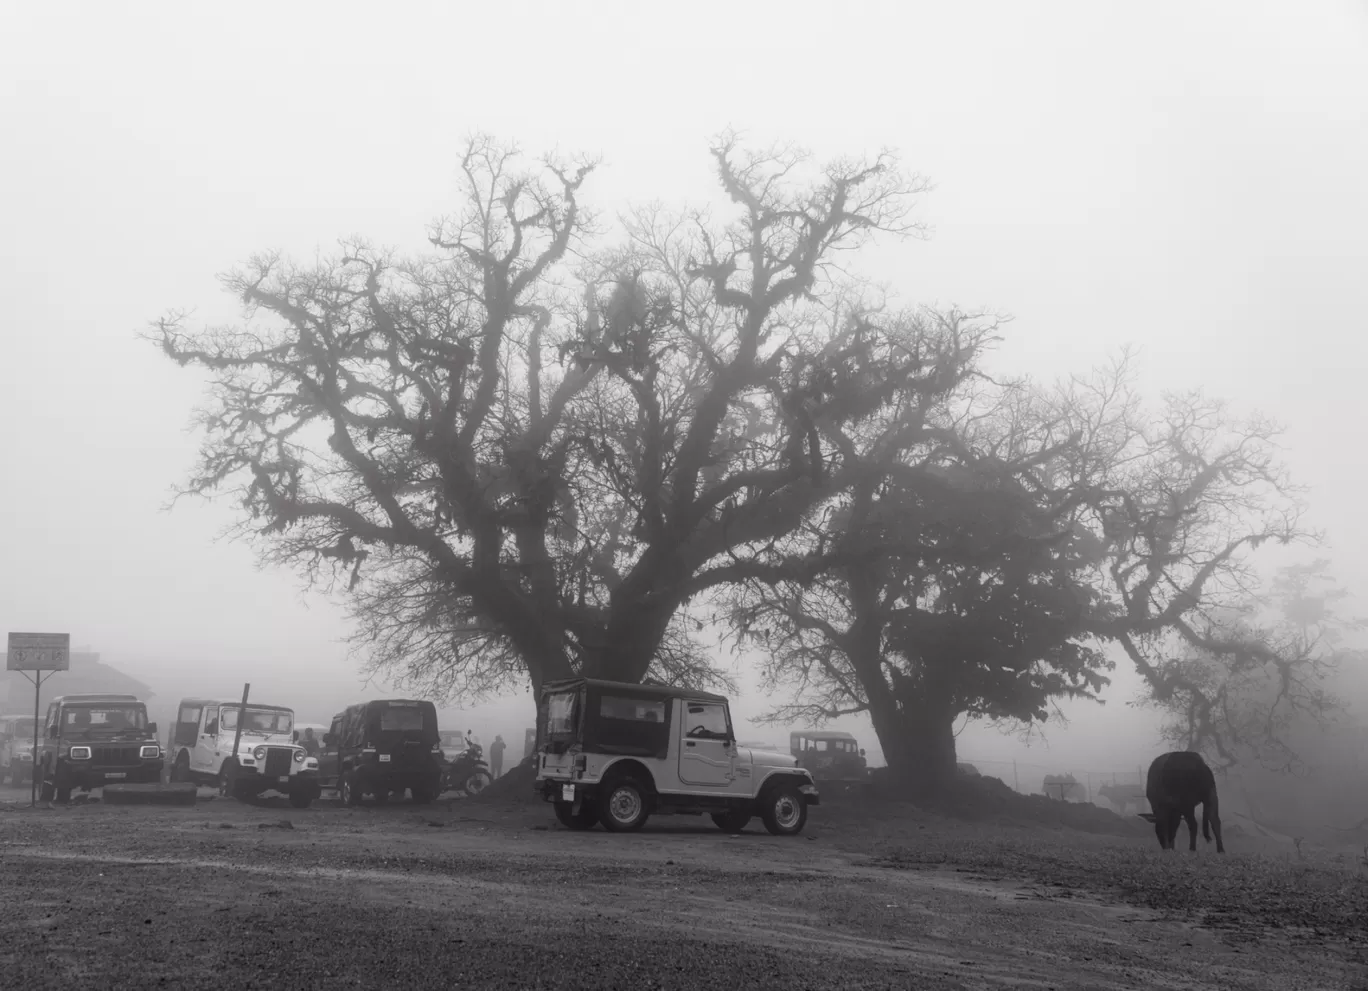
34,654
39,652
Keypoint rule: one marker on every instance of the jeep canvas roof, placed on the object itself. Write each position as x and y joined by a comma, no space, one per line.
94,699
822,734
627,688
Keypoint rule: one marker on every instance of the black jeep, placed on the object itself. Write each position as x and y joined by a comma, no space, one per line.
382,748
93,740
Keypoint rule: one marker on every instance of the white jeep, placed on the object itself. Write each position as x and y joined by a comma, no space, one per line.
201,750
617,753
16,749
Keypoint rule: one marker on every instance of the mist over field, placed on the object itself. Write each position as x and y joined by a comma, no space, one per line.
1183,180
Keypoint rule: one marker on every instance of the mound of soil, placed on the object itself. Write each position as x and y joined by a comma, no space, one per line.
513,788
988,799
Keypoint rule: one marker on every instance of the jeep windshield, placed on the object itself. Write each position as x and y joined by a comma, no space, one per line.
22,729
403,721
264,722
104,720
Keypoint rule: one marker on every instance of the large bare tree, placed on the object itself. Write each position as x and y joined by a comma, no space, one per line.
985,575
526,452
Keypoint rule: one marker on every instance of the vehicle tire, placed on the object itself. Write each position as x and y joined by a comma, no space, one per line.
587,817
783,810
62,788
476,783
347,789
622,805
180,771
731,822
301,798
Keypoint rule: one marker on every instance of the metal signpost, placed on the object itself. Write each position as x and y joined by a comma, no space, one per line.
33,654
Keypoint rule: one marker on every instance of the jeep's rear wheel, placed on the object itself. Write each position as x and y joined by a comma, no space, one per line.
347,790
180,771
731,822
622,806
784,811
585,818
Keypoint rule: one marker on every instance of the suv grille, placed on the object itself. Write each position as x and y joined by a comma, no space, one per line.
278,760
115,756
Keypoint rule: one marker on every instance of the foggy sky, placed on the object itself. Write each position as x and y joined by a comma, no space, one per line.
1184,177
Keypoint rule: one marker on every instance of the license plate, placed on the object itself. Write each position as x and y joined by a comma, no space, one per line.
567,793
116,774
384,758
284,778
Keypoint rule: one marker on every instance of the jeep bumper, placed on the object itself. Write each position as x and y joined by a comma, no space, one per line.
557,790
87,777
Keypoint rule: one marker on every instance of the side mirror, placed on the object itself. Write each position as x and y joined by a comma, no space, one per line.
862,753
52,732
329,739
151,729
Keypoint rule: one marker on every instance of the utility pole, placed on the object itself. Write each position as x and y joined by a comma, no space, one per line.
237,738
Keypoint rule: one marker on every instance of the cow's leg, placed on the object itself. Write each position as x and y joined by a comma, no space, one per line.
1161,826
1171,820
1190,816
1211,813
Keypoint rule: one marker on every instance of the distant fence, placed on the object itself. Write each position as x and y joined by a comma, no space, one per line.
1065,783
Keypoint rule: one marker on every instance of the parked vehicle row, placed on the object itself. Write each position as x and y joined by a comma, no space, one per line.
613,754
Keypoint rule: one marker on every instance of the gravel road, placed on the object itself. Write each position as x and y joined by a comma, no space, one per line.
463,896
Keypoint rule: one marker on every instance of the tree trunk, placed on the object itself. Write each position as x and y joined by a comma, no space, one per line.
919,745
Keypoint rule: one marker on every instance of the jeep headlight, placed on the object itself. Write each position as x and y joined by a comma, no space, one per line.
259,753
79,753
299,756
151,750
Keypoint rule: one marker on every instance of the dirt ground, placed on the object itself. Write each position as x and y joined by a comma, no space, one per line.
491,893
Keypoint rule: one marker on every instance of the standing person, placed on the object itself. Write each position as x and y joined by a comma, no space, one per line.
496,750
309,744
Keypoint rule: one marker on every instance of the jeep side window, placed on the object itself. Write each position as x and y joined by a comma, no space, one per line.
707,721
211,722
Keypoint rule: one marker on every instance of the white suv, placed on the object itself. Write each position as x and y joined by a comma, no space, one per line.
617,753
200,750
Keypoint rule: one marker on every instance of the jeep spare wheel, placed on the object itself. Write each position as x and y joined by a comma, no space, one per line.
622,806
783,810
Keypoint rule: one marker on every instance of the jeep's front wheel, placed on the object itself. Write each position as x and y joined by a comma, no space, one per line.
347,789
585,818
783,810
622,806
731,822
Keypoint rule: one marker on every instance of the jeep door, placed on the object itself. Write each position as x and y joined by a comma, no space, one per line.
706,750
204,758
328,755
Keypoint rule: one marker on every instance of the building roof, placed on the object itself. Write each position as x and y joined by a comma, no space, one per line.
633,691
87,675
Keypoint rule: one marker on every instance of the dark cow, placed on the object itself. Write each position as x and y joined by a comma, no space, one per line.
1176,784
